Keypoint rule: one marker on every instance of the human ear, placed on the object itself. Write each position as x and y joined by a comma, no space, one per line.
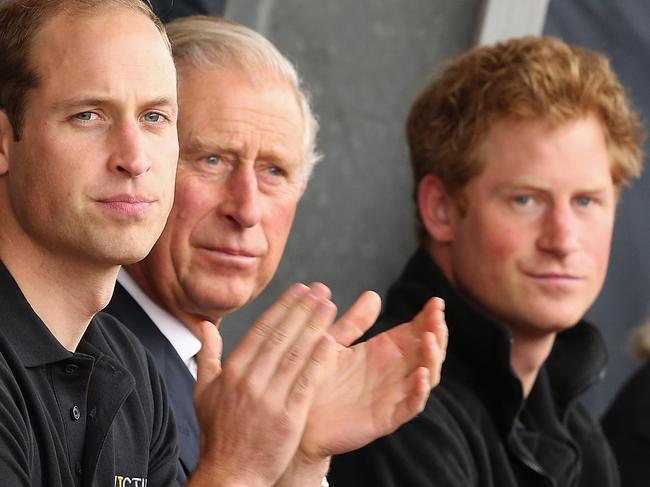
6,136
436,208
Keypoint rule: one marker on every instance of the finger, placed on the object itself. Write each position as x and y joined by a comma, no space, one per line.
208,360
442,336
304,387
299,352
310,315
415,399
433,339
431,315
321,290
432,357
357,320
436,306
265,326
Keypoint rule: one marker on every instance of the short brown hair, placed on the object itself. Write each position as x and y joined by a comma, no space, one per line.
20,20
528,78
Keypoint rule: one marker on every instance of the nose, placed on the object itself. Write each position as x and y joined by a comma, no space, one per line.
559,231
241,203
129,154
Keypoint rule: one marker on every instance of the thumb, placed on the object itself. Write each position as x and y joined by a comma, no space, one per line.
357,320
208,360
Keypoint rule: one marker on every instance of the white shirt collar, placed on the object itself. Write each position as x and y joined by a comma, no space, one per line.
182,339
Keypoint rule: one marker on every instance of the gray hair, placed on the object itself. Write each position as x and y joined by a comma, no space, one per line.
212,42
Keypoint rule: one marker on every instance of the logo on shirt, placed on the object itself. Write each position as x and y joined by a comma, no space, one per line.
121,481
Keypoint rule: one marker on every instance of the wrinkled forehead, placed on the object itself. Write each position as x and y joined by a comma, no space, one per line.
258,79
216,98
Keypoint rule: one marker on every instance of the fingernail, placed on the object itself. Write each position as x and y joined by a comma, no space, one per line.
298,290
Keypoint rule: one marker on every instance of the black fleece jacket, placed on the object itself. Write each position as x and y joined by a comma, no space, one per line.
477,429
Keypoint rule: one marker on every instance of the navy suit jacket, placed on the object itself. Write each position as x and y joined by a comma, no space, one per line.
177,377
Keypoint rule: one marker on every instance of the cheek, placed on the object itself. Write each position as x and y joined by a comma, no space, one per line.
505,245
192,201
189,209
597,245
277,222
40,183
490,240
165,147
167,162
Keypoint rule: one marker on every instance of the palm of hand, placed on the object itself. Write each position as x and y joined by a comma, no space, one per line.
367,387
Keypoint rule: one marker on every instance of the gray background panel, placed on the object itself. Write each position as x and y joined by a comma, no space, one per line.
364,62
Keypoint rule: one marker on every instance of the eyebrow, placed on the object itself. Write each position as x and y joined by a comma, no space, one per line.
534,186
98,100
201,144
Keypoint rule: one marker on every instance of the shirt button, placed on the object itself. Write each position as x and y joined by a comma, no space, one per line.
75,413
77,468
71,368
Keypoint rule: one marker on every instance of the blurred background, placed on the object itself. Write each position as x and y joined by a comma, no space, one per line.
364,62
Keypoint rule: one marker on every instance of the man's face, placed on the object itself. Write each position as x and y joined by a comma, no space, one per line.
238,183
92,177
533,246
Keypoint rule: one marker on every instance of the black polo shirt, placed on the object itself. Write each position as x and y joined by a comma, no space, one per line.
98,416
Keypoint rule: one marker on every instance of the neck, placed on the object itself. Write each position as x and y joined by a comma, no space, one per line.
529,352
528,355
441,255
64,293
145,282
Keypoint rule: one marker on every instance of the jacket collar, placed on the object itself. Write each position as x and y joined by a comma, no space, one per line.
177,377
480,347
28,336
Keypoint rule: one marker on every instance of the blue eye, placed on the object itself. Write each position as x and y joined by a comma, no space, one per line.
213,160
522,200
583,201
275,171
153,117
85,116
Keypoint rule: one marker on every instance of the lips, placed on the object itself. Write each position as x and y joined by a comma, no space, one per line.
127,198
127,204
552,275
229,258
569,276
229,251
556,281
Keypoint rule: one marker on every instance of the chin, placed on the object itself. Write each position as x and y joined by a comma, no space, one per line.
130,256
557,324
217,304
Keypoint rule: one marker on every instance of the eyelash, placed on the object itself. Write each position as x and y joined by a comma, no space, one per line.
276,171
162,115
77,116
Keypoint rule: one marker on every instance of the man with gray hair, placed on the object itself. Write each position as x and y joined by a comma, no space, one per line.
247,148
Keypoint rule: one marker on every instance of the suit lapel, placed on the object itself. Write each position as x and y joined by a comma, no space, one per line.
178,380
